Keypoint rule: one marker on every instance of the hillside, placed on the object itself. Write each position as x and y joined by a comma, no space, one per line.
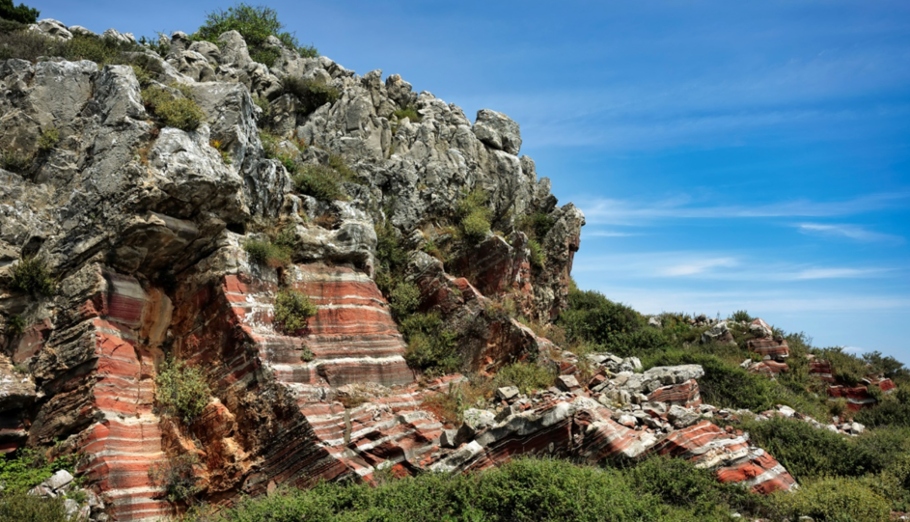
232,268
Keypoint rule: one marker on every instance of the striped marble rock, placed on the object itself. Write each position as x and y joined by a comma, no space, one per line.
773,348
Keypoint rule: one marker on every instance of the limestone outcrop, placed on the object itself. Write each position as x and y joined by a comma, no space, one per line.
145,230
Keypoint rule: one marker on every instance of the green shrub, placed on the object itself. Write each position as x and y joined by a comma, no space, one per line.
835,499
741,315
311,93
48,140
267,253
473,215
19,506
893,410
320,181
292,309
15,161
404,299
431,348
537,258
177,477
32,276
527,377
536,225
848,369
181,390
15,325
594,318
255,24
21,13
409,112
173,110
29,467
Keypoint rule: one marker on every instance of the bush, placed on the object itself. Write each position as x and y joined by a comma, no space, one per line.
893,410
741,316
473,216
267,253
20,13
536,225
177,477
31,275
181,390
28,468
527,377
292,309
404,299
594,318
835,499
311,93
320,181
537,258
431,348
15,161
255,24
19,506
48,140
409,112
173,110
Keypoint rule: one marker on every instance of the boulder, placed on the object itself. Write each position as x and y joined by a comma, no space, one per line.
497,131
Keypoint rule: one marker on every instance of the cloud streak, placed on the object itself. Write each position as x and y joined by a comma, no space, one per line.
853,232
607,211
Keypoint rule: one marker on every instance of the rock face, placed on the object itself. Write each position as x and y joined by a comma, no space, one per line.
143,228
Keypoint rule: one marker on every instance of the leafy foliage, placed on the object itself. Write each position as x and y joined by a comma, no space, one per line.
473,215
256,25
15,160
404,299
292,310
32,276
19,506
527,377
311,93
177,476
741,315
181,390
21,13
409,112
835,499
267,253
48,139
173,108
431,348
29,467
320,181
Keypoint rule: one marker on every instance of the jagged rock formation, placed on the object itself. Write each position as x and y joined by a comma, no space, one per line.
143,227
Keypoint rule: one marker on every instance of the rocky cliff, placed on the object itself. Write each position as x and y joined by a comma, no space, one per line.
368,191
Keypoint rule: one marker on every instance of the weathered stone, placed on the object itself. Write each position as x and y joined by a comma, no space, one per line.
507,393
567,383
498,131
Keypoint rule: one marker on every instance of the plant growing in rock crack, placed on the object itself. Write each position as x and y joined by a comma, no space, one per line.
292,310
181,390
15,160
310,92
173,109
268,253
473,216
177,476
31,275
431,347
48,140
409,112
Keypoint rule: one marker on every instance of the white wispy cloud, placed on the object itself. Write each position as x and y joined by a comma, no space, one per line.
696,267
853,232
832,273
605,233
610,211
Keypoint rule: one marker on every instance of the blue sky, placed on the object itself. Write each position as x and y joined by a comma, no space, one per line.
728,155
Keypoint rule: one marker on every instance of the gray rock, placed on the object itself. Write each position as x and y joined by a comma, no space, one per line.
567,383
59,480
52,28
234,51
126,38
507,393
667,375
681,417
498,131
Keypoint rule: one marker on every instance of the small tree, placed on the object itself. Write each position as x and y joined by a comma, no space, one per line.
255,24
21,13
181,390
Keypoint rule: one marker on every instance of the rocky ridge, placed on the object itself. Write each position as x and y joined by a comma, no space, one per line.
144,227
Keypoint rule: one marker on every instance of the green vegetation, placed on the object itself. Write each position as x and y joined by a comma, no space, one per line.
173,107
614,327
837,500
32,276
178,478
524,490
21,13
473,216
311,93
431,348
181,390
267,253
16,41
15,160
741,315
48,140
19,506
256,25
404,299
527,377
29,467
320,181
409,112
292,309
